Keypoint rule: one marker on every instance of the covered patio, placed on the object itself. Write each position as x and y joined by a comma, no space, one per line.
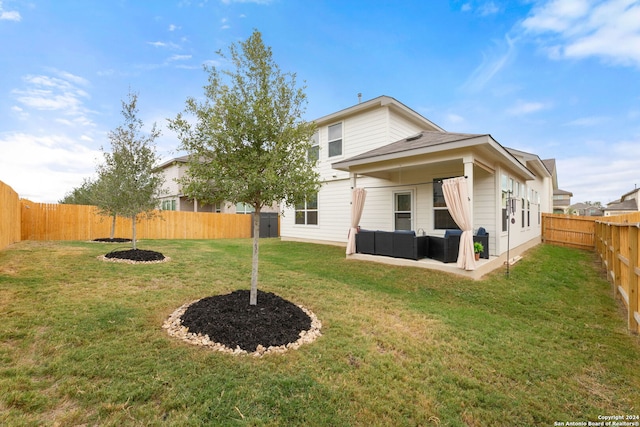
405,184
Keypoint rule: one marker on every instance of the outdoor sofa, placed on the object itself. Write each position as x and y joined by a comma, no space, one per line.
445,249
397,244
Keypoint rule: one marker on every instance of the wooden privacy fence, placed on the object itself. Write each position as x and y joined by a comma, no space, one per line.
569,230
617,245
615,240
9,216
42,221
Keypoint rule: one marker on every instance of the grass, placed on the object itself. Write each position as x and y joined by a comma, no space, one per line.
81,341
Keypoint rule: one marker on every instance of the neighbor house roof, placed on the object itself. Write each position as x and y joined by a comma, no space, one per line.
558,192
625,205
181,159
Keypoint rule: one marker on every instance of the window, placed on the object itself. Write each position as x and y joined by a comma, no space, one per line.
530,198
335,140
402,211
314,151
442,219
523,193
168,205
505,201
307,212
243,208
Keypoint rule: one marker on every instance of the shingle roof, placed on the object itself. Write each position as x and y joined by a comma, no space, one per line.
421,140
625,205
558,191
550,164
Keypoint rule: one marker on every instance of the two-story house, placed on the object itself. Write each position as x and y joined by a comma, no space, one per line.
628,203
400,158
173,198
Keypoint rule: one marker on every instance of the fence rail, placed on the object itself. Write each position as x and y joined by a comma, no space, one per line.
569,230
618,248
615,240
42,221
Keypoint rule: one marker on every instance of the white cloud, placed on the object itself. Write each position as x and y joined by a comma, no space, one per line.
523,108
44,167
608,29
173,27
9,15
169,45
489,8
588,121
454,119
604,176
179,58
492,64
246,1
60,93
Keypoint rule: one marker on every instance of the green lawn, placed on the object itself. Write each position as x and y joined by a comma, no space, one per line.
81,341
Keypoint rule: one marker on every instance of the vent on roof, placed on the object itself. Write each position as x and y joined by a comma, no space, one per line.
414,137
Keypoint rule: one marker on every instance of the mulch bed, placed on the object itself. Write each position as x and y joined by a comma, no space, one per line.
110,240
134,256
229,323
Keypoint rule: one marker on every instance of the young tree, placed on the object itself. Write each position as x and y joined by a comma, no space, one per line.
97,193
83,195
128,184
249,142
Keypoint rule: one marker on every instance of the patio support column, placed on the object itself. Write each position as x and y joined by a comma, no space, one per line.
353,179
468,172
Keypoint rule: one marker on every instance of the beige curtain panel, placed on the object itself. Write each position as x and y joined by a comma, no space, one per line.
358,195
456,196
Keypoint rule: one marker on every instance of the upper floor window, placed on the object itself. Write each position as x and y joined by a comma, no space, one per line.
335,140
314,151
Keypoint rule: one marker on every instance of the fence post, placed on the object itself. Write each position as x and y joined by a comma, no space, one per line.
634,271
615,249
608,252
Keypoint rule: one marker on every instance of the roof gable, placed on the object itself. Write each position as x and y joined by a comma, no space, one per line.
380,102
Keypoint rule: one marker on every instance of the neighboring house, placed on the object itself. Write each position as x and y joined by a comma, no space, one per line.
400,158
561,201
173,198
561,198
584,209
628,203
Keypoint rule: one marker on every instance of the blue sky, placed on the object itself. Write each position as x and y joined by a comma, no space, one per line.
558,78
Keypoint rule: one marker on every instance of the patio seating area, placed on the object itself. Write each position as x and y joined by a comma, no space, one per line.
408,245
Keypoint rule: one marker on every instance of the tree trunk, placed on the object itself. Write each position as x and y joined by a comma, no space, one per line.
253,296
113,226
133,231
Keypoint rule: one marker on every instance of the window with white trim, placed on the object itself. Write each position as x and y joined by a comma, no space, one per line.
244,208
505,201
168,205
335,140
402,210
314,151
442,219
307,212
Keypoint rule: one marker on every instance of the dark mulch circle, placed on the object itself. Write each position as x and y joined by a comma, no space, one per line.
135,255
110,240
231,321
